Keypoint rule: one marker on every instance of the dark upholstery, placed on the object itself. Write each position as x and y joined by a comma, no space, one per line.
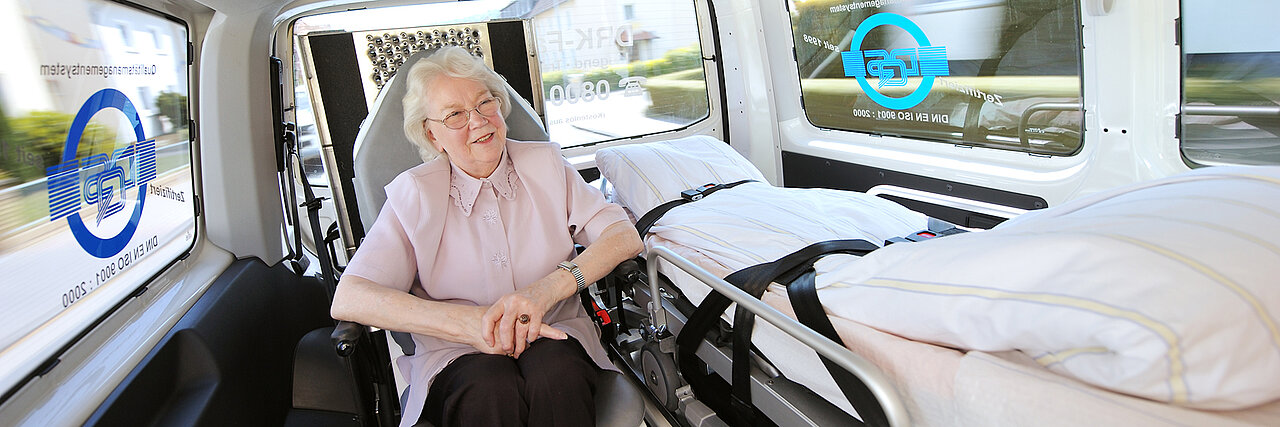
618,402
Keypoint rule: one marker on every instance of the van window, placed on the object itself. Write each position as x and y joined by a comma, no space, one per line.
616,69
990,73
95,166
607,69
1230,83
309,147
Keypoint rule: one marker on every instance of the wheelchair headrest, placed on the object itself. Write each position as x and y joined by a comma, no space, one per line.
382,151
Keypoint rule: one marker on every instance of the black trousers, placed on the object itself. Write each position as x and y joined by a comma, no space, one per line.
553,383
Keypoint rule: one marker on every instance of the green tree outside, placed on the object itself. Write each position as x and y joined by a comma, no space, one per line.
34,143
31,144
5,139
173,106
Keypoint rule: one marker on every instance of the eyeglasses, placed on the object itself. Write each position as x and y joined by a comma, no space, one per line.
459,118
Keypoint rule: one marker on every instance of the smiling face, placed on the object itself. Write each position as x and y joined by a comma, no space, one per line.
477,147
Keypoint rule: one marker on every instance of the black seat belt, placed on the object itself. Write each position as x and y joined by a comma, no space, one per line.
803,293
796,270
313,205
694,194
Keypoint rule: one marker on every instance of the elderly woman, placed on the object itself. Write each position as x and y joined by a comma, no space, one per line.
487,228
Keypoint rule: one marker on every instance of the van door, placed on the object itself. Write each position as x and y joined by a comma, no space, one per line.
118,308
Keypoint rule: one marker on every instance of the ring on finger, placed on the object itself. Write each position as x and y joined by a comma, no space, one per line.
524,319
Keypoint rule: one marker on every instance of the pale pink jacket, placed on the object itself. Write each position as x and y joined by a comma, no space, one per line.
473,241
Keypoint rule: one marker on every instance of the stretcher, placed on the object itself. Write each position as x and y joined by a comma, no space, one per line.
944,332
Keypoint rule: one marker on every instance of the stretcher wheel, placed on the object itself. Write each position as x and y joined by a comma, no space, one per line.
660,375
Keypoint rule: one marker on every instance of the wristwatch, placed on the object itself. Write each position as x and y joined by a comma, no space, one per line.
577,274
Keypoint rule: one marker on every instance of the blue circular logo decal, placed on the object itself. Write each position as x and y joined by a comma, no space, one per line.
895,66
65,177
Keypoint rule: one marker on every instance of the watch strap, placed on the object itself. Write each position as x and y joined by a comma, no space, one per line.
572,268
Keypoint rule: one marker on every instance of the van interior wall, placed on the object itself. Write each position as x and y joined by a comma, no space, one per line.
753,120
241,199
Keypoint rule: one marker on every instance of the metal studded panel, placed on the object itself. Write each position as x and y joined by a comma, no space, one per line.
384,51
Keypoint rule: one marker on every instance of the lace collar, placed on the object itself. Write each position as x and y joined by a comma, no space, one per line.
464,189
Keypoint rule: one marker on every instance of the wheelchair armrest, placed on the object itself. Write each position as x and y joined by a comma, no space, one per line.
345,336
628,271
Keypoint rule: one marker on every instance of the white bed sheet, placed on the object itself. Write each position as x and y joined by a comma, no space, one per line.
946,387
755,223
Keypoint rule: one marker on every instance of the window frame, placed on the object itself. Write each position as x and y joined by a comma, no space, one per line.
32,356
1209,110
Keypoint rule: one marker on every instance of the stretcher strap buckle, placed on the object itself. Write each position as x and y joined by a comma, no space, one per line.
694,194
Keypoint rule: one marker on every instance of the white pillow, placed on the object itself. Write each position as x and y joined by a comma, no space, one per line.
1166,290
647,175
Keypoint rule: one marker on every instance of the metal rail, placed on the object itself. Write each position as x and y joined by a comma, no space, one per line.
978,206
879,384
1035,108
1233,110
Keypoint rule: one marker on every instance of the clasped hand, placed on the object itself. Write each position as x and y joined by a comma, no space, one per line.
515,320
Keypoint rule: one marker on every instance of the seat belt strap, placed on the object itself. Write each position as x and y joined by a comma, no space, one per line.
804,300
734,401
694,194
709,387
784,270
313,205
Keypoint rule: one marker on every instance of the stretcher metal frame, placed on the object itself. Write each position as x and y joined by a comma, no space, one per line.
879,384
